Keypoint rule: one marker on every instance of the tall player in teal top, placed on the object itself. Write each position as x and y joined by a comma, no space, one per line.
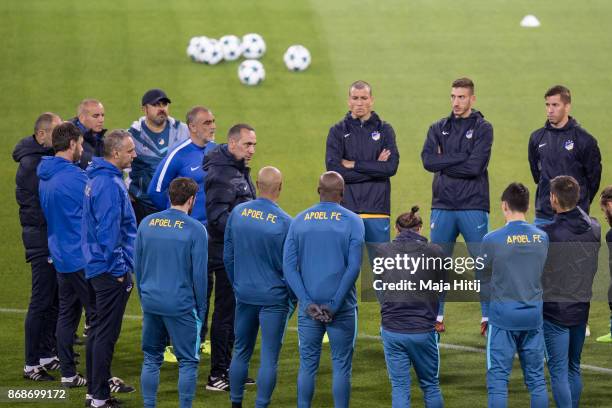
321,261
171,275
515,254
253,256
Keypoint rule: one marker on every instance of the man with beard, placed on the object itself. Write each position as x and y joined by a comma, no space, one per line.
62,189
42,310
154,135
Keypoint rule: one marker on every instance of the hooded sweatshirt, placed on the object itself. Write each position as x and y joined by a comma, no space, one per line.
569,151
62,189
109,223
28,153
570,267
457,151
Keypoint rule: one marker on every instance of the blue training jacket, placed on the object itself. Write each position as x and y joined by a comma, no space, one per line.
322,256
516,254
184,161
171,264
61,191
253,252
109,223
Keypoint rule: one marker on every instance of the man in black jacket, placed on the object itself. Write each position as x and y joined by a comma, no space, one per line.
567,282
457,150
42,312
90,121
606,207
228,183
562,147
361,147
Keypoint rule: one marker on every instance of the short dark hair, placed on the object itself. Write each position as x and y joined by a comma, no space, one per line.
606,195
464,83
567,191
562,91
234,132
409,220
114,140
360,85
63,134
193,112
44,120
181,189
516,195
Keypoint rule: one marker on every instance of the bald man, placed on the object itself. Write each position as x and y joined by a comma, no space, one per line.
90,121
253,255
321,260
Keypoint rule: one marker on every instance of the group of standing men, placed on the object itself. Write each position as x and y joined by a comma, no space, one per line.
257,256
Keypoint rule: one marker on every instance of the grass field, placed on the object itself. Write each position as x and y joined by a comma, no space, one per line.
56,53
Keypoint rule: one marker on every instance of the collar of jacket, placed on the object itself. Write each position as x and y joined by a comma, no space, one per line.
475,114
231,160
575,220
373,120
571,123
409,235
88,134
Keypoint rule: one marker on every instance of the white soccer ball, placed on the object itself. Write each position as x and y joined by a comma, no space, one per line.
297,58
193,48
210,52
251,72
231,47
253,46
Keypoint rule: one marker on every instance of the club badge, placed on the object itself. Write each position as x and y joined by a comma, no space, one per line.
569,145
469,134
375,136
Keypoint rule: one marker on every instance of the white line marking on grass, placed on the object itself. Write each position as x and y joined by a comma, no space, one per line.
364,336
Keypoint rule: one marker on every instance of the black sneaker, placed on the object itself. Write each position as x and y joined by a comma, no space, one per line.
52,365
249,381
110,403
218,383
117,385
88,400
37,374
77,381
86,331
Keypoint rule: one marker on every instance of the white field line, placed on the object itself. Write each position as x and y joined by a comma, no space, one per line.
364,336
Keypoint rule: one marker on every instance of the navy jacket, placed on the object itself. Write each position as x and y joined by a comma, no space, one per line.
93,143
457,151
409,311
569,151
228,183
62,190
570,267
609,241
367,186
28,153
109,224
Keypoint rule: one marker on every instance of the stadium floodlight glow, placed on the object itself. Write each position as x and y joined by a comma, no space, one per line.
251,72
297,58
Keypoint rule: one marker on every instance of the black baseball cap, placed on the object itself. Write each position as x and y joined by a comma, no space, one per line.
152,96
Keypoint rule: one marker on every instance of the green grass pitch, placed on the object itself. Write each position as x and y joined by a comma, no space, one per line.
56,53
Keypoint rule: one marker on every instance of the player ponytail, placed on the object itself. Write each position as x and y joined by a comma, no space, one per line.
409,220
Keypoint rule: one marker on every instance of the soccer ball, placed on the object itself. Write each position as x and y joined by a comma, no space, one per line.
251,72
231,47
253,46
193,49
210,52
297,58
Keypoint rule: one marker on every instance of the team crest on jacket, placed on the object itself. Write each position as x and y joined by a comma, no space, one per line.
569,145
375,136
469,134
161,142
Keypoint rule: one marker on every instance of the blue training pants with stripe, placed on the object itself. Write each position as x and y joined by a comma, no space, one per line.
446,225
563,350
342,333
184,330
403,350
501,347
273,322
